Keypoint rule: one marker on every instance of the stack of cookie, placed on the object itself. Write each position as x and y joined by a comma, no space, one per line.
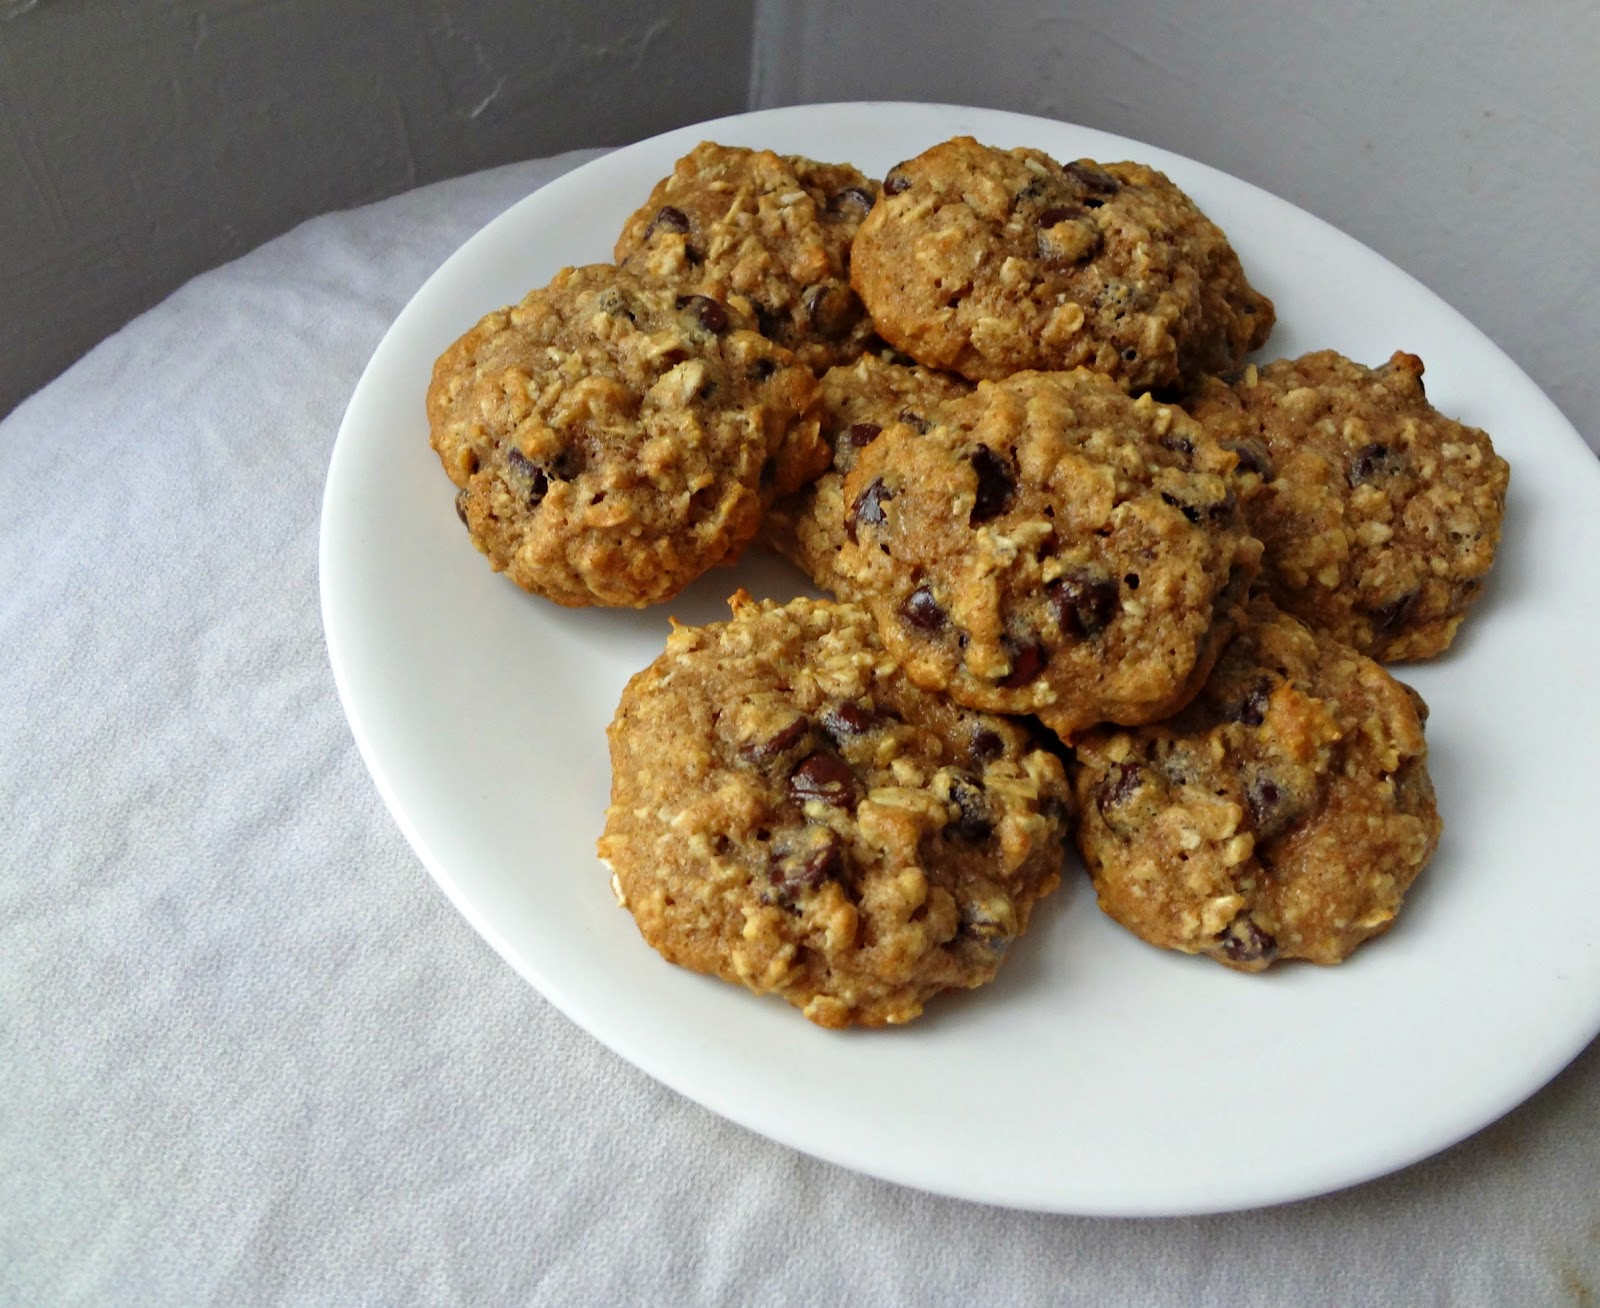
1085,561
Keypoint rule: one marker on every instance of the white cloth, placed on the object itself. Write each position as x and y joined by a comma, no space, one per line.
249,1053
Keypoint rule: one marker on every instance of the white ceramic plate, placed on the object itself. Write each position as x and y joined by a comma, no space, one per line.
1097,1075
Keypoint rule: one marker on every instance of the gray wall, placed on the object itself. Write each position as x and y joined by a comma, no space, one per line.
1460,138
142,141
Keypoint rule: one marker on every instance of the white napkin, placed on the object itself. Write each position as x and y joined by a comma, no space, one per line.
249,1054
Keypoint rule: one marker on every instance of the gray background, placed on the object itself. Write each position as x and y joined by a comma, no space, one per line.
142,142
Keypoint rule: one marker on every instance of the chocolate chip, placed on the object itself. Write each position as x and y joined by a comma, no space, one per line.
1393,614
896,181
1059,214
1253,457
1270,810
1218,511
828,309
707,312
764,751
461,507
667,219
848,721
922,611
1093,178
862,434
973,820
531,475
1085,605
1251,707
1027,662
1374,462
1245,942
768,322
807,862
915,421
1118,785
1177,444
852,197
986,746
997,485
824,777
868,508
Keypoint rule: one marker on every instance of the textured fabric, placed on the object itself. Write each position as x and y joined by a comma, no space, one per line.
249,1054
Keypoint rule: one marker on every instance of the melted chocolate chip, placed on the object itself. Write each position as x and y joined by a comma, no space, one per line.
868,509
986,746
1085,605
531,475
1271,812
1373,463
862,434
922,611
896,181
668,219
1218,511
769,323
1118,785
461,507
1393,614
707,312
1093,178
915,421
1188,510
848,721
1059,214
973,820
1027,662
1253,457
852,197
1245,942
978,925
997,485
1251,707
809,864
764,751
824,777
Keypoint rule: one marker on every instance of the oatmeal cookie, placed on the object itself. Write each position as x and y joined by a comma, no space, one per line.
791,814
1050,546
989,262
1380,516
1283,814
614,437
858,401
736,223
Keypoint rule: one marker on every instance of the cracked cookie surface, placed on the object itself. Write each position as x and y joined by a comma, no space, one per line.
791,814
613,437
1283,814
775,231
1051,546
1380,516
858,401
988,262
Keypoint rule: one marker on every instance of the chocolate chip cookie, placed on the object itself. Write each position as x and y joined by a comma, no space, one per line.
1283,814
1380,516
791,814
1050,546
736,223
614,437
858,401
988,262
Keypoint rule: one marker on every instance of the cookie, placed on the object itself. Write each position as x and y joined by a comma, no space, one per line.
1050,546
614,437
988,262
1283,814
735,223
858,401
1380,516
791,814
